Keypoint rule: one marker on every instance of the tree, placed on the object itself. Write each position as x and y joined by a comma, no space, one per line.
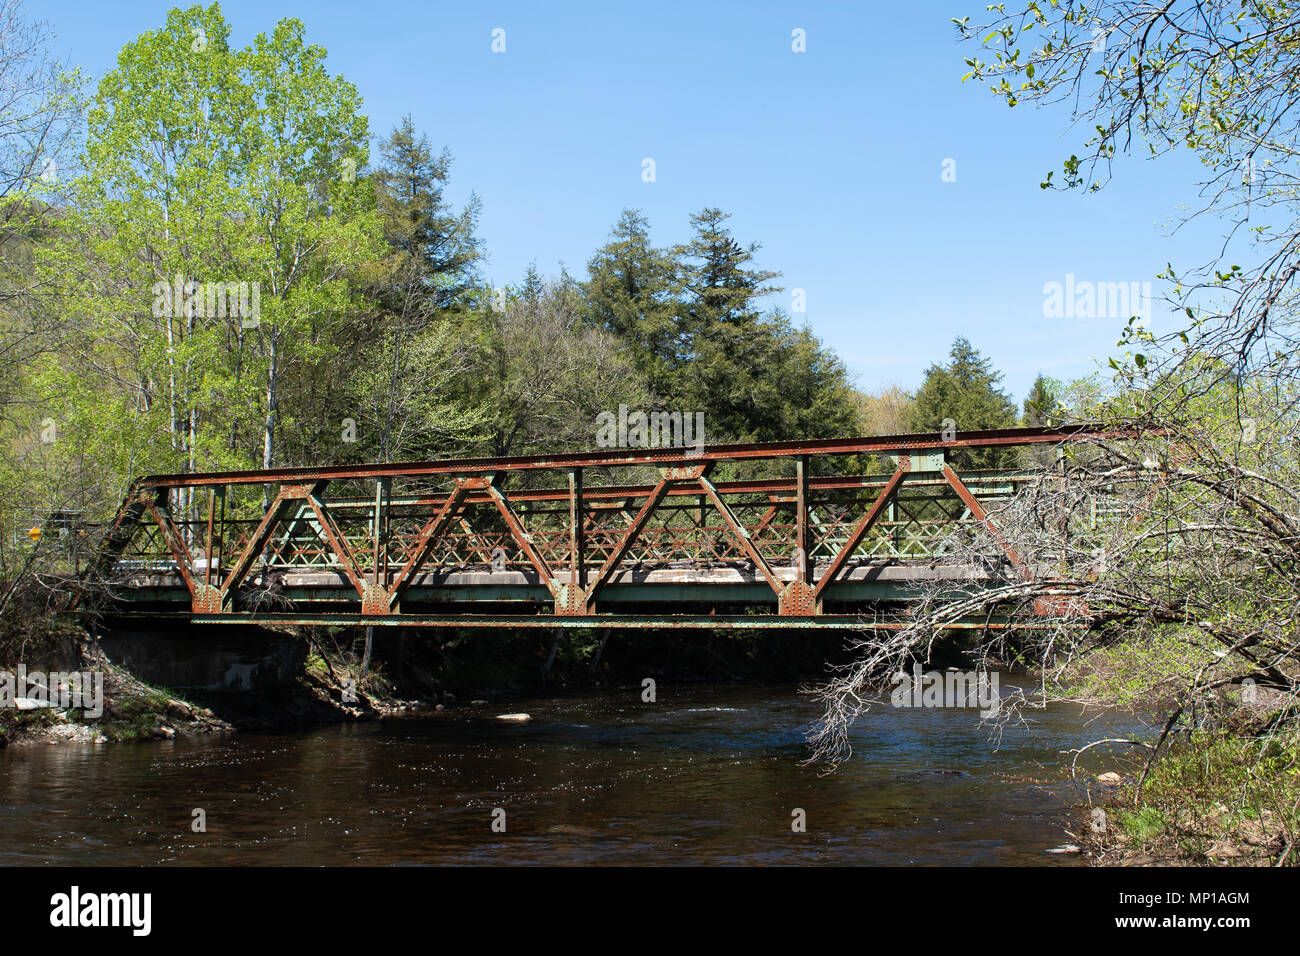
964,395
729,368
1174,556
1042,406
420,224
811,387
1209,76
212,245
403,362
632,291
690,318
885,411
40,108
543,375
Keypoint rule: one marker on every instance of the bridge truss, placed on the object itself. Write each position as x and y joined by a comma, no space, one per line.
812,534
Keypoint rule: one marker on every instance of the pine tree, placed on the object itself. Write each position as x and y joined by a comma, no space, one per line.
1042,405
632,291
733,351
964,396
419,223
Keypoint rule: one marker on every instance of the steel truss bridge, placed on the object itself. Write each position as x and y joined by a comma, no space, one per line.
806,534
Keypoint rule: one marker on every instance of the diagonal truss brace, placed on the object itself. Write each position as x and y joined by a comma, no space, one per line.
587,596
741,535
860,530
388,601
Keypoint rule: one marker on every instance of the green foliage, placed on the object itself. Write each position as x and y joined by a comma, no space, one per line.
632,291
964,396
1043,406
692,321
1219,796
418,222
1145,824
1136,671
543,375
212,165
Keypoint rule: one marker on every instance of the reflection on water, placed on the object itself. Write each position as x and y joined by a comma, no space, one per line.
706,774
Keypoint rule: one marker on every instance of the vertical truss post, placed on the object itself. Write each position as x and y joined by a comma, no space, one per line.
701,536
207,548
577,533
374,593
220,542
798,597
892,518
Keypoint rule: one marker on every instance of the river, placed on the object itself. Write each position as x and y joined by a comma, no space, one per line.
707,774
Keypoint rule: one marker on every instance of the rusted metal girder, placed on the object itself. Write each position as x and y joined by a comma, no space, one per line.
798,534
884,445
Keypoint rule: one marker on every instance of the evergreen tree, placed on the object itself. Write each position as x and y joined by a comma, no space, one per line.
722,285
732,351
964,395
1043,406
632,292
419,224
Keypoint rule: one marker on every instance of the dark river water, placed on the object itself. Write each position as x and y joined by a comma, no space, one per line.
705,775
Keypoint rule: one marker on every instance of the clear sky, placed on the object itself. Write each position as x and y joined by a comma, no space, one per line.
832,159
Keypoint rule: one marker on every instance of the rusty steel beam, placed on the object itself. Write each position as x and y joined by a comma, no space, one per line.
521,537
428,535
779,490
980,515
741,534
890,444
174,540
860,530
261,535
338,544
670,476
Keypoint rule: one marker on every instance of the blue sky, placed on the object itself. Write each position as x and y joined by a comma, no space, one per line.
831,158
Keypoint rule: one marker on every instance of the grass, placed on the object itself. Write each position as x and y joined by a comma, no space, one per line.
1217,797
